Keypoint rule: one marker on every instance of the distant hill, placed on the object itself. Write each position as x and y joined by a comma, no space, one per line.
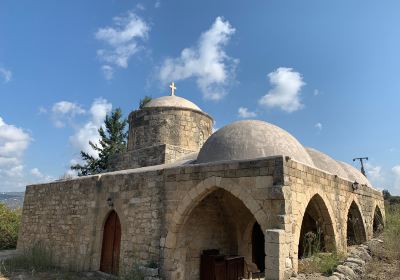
12,199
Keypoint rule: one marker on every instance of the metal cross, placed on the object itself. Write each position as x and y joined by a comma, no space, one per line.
362,164
173,88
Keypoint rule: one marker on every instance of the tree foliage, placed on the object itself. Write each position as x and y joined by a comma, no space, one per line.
9,224
112,141
144,101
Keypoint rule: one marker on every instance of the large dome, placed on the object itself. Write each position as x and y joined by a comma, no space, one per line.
251,139
172,101
326,163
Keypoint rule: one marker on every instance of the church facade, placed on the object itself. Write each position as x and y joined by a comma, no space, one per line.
185,199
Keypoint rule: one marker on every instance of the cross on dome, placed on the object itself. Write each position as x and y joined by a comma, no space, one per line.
173,88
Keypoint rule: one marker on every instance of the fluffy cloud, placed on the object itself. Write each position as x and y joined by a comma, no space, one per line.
89,130
374,172
123,40
318,126
13,143
64,111
35,172
207,62
396,173
5,74
243,112
285,93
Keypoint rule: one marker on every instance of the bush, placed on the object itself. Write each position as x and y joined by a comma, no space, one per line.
9,224
324,263
38,258
392,230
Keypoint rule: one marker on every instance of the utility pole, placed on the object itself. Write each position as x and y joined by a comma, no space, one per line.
362,164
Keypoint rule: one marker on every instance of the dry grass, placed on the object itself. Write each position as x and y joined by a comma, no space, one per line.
324,263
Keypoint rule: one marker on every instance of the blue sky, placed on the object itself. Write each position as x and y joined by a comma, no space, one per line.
326,71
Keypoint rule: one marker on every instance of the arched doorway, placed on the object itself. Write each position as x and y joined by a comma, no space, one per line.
217,226
355,227
378,222
111,244
316,234
258,244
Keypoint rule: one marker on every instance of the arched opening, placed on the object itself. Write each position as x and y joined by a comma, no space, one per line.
378,222
258,244
211,241
355,227
111,244
316,234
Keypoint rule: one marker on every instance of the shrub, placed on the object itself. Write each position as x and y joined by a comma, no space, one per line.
324,263
392,230
38,258
9,224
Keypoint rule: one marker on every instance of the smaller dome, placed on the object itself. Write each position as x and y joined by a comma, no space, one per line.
354,175
326,163
250,139
172,101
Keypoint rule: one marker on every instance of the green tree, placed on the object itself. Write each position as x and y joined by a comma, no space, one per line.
112,141
9,225
144,101
386,194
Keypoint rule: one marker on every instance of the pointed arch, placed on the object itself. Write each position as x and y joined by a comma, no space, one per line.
317,230
214,203
378,221
111,244
355,226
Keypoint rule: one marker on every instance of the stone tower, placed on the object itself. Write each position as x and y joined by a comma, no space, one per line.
165,130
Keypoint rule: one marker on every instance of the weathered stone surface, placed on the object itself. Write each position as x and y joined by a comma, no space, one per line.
171,211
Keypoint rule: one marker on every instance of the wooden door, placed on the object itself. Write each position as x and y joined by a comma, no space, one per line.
111,244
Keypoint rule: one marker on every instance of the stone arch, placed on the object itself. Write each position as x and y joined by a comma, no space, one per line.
199,192
316,217
102,214
111,244
201,199
378,222
355,225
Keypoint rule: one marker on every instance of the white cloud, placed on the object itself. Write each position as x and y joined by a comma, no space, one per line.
89,131
207,62
316,92
36,172
140,7
318,126
5,74
396,173
157,4
40,176
123,41
13,140
108,72
374,172
64,111
13,143
244,112
285,93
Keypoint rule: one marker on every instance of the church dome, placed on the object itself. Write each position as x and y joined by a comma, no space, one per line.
326,163
172,101
354,175
249,139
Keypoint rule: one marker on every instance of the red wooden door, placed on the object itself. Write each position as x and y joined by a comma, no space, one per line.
111,244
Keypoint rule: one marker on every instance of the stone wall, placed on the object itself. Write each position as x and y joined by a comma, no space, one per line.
68,218
154,155
181,127
337,194
164,209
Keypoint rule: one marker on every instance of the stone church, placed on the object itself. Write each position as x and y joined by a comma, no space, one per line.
200,204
